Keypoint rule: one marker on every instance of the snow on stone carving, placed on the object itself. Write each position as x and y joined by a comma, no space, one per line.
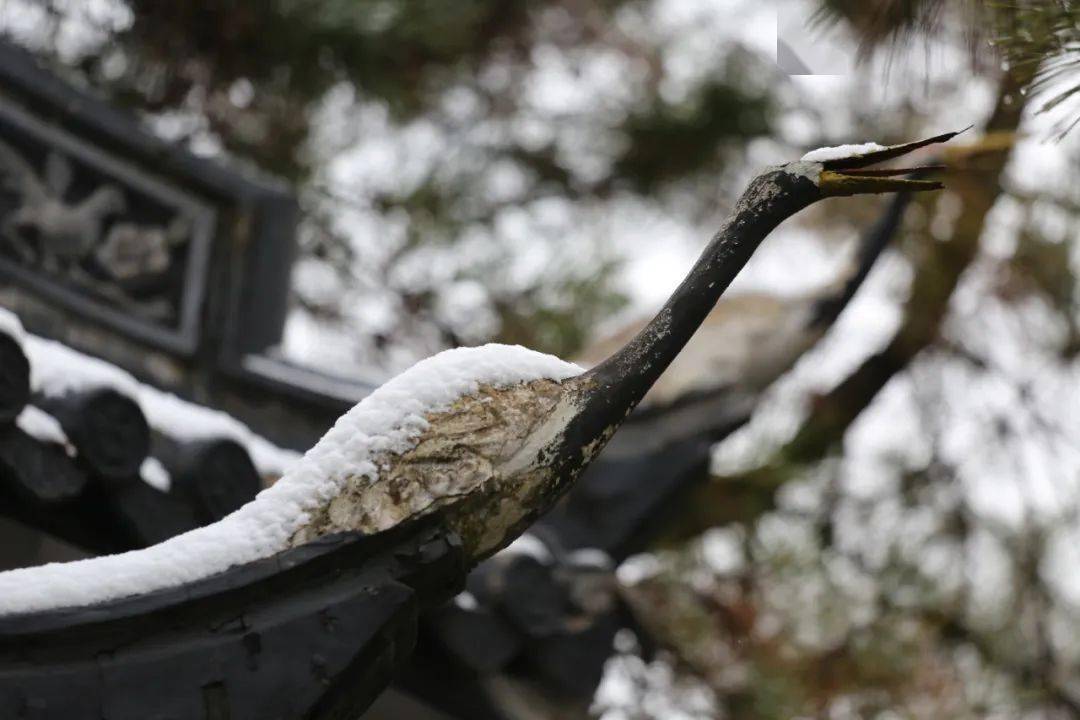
377,447
840,151
463,455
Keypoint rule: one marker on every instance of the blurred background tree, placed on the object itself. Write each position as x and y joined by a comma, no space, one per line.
846,563
1040,38
895,532
444,156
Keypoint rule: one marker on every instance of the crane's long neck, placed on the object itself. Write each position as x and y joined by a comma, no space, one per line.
612,389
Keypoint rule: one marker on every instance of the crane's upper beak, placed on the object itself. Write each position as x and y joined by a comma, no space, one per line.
852,175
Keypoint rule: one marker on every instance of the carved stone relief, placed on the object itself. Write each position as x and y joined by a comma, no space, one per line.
107,239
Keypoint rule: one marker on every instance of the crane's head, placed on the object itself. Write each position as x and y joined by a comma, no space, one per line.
847,171
782,190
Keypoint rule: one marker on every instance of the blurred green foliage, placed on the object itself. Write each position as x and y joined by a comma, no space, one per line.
292,51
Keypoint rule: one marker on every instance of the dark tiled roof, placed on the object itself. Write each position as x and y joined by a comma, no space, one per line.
78,456
80,459
317,629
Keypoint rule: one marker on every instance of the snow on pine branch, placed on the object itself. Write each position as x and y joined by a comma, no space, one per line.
389,420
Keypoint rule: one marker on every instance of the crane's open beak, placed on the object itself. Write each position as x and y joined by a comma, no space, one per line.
852,175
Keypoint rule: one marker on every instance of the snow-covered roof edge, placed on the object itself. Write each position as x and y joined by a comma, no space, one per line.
56,369
388,420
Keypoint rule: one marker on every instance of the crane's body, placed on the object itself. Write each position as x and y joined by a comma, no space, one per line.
479,461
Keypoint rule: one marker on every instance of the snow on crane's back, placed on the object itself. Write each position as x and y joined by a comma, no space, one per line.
388,420
840,151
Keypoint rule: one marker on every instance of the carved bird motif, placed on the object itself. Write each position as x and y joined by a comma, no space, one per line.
130,251
63,232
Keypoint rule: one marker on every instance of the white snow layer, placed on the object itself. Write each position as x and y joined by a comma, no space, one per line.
388,420
529,544
154,474
56,369
840,151
41,426
590,557
9,323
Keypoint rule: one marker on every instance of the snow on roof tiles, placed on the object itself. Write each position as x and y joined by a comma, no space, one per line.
57,369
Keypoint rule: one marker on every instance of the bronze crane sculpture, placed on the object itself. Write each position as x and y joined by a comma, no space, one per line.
301,603
744,344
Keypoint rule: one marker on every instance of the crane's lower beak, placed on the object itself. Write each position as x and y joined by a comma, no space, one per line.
837,183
